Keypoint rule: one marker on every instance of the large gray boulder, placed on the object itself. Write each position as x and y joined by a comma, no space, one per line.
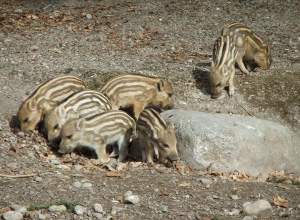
234,142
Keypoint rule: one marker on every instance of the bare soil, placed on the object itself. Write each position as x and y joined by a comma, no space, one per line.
171,39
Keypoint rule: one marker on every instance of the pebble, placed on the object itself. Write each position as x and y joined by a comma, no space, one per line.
120,166
38,179
87,185
78,167
23,145
259,208
84,180
57,208
21,134
76,184
128,193
42,217
88,16
63,167
234,212
133,199
12,215
19,208
34,47
12,165
215,197
115,209
247,218
164,208
234,197
156,190
79,210
98,215
54,161
98,208
298,206
18,11
205,181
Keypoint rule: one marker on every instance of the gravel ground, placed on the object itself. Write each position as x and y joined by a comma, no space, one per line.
173,39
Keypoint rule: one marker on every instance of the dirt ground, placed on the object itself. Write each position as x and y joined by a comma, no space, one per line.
172,39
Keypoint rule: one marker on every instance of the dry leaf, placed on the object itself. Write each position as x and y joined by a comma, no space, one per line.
111,174
185,184
55,50
281,202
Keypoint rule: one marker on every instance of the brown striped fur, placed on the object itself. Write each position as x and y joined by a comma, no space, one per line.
223,66
155,135
45,97
98,131
81,104
252,50
138,92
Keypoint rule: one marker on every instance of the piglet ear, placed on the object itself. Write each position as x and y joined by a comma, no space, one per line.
80,124
32,105
61,111
161,85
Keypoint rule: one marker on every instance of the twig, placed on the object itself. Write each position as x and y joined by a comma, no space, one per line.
246,110
19,176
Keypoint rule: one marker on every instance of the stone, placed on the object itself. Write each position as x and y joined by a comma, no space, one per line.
12,215
205,181
79,210
247,218
18,11
234,197
97,215
156,190
234,212
88,16
78,167
87,185
34,47
115,209
21,134
120,166
57,208
77,184
18,208
133,199
98,208
55,162
128,193
164,208
222,139
298,206
260,208
42,217
38,179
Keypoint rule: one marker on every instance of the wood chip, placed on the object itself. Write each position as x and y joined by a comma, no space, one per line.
112,174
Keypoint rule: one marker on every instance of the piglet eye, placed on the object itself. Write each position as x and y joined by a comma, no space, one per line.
70,136
26,120
170,95
165,146
55,127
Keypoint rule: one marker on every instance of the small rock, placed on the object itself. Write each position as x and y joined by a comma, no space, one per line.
298,206
98,215
34,47
164,208
18,10
19,208
57,208
87,185
247,218
38,179
63,167
42,217
234,197
128,193
115,209
215,197
98,208
12,215
84,180
259,208
156,190
55,162
133,199
21,134
205,181
12,165
120,166
78,167
234,212
88,16
79,210
23,145
76,184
